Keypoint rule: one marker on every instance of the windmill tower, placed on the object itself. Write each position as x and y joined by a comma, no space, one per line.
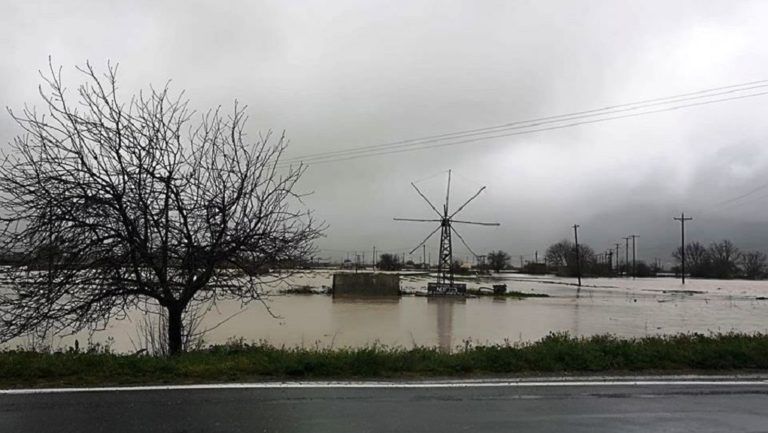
445,284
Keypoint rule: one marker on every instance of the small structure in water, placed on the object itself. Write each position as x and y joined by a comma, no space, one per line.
363,284
454,289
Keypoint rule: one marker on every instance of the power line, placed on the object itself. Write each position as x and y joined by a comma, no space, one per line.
492,132
706,93
739,197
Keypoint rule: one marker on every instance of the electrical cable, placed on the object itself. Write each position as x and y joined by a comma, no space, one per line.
429,145
530,126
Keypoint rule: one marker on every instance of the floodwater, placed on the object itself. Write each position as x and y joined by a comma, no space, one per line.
624,307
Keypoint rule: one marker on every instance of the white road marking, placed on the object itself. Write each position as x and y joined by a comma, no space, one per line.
400,385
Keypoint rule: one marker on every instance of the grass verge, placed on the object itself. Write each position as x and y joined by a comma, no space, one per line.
238,361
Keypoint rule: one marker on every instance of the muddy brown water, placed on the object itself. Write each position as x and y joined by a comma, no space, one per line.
624,307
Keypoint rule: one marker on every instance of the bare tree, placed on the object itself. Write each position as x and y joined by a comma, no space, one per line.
558,254
498,260
119,204
724,258
697,259
389,262
561,256
753,263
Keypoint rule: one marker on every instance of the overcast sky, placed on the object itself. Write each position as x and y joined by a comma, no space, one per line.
339,74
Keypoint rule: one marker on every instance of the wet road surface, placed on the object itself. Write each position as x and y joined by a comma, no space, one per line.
580,407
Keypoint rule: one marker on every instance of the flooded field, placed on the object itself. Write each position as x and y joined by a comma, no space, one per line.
624,307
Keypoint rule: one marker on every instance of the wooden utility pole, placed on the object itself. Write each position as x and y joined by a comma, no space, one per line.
682,220
578,258
618,268
424,256
626,256
374,258
634,272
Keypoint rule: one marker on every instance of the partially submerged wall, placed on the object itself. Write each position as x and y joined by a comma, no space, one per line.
366,284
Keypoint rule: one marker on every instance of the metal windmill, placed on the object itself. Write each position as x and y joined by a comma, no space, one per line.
445,254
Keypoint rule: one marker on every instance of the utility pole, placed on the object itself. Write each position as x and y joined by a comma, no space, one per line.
578,258
633,255
536,257
374,258
424,256
626,256
610,261
682,220
618,268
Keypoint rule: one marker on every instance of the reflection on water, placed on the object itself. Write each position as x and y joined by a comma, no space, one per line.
639,308
443,311
575,327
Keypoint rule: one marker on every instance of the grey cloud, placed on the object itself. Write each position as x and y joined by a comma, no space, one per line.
342,74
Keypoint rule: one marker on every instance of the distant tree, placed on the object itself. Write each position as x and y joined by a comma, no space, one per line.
458,268
753,264
534,268
126,204
588,260
697,259
557,255
498,260
389,262
642,269
725,258
561,257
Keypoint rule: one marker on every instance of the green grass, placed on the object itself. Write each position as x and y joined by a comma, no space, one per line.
238,361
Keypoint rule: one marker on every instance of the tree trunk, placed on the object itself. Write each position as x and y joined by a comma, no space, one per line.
174,329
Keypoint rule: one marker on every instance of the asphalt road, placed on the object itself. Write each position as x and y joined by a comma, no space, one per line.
499,408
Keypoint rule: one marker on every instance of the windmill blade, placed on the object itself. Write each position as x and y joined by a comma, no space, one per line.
463,241
475,222
448,192
425,239
467,202
417,220
426,199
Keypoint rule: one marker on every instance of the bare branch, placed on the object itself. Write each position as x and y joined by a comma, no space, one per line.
108,204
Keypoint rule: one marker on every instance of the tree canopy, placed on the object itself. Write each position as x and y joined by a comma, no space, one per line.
498,260
113,204
721,260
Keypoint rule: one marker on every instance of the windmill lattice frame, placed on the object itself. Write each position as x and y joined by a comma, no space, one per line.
445,283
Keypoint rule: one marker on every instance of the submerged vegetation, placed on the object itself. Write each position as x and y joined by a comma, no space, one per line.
240,361
507,294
